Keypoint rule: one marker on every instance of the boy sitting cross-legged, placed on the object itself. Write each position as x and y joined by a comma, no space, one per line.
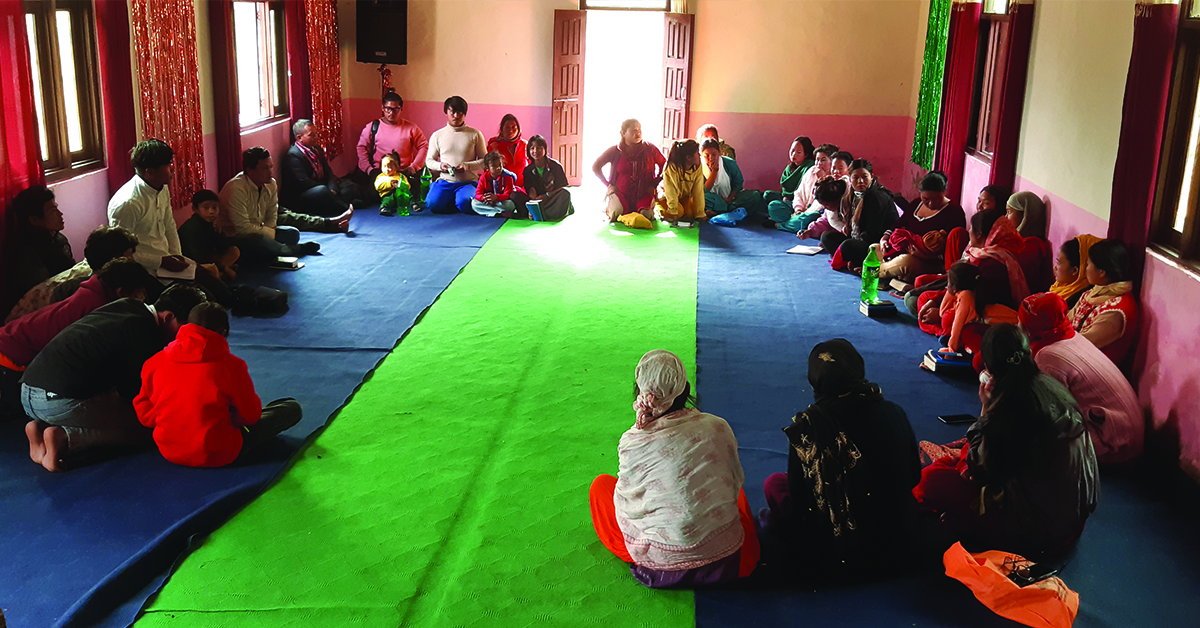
199,399
202,241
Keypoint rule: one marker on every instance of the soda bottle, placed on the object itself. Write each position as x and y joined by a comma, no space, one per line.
426,179
870,278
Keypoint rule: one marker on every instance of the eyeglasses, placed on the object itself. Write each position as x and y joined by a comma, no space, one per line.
391,109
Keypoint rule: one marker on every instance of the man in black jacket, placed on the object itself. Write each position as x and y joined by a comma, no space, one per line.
79,390
309,185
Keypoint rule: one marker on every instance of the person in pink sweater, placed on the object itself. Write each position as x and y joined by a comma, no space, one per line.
1110,408
390,134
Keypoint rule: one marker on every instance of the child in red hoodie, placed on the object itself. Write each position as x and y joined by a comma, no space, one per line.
199,399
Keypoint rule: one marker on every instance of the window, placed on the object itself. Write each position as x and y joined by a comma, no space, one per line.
1173,226
990,60
62,58
260,53
629,5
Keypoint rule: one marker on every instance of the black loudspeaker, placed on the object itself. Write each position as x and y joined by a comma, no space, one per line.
382,31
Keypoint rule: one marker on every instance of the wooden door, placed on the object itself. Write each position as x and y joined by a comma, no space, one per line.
570,30
677,76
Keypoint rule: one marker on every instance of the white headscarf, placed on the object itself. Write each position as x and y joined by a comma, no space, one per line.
722,186
661,378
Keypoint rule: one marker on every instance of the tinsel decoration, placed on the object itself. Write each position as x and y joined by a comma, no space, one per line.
325,72
933,70
164,40
385,79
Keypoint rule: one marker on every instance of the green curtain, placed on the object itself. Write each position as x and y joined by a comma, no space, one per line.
929,105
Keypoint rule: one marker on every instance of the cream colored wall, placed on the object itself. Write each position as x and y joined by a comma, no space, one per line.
808,56
1072,119
498,51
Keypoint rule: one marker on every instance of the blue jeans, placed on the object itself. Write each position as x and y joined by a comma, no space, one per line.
446,197
106,419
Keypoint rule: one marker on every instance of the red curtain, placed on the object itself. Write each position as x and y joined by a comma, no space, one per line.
116,75
226,127
20,156
1143,115
325,72
1011,104
299,85
164,39
959,82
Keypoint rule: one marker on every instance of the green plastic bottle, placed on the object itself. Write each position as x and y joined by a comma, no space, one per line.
426,179
870,278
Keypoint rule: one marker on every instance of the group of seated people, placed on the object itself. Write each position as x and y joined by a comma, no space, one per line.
85,346
857,501
1046,333
698,180
456,170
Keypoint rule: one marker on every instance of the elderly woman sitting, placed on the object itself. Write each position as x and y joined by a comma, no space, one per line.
677,512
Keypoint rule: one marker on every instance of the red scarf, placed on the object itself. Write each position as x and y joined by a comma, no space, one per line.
1002,244
1044,317
311,155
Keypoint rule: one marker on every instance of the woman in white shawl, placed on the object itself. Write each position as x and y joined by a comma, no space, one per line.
677,512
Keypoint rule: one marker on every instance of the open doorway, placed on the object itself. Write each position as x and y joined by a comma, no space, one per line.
623,78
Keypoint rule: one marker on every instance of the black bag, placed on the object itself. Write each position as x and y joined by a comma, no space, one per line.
259,301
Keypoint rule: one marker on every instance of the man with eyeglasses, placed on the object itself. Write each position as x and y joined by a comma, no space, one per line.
390,134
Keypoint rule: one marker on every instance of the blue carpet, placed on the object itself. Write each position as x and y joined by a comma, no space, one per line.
88,546
759,313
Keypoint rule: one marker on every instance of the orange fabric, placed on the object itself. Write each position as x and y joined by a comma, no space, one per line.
604,520
1045,604
604,516
8,364
750,549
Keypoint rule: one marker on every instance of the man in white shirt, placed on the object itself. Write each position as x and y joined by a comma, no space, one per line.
143,206
250,213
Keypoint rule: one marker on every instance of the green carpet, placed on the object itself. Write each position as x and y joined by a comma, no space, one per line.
452,490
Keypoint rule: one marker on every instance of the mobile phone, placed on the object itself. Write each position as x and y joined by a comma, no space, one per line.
957,419
1026,576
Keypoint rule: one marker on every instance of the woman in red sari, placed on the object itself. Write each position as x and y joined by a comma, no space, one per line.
511,147
1107,313
634,170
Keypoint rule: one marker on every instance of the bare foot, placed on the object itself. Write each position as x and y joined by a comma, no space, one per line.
37,448
55,439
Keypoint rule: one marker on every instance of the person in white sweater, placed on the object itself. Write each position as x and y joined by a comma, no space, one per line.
456,151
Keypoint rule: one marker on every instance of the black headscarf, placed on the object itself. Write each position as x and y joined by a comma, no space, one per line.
836,371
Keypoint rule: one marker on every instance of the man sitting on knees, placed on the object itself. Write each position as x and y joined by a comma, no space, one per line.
79,389
309,185
250,213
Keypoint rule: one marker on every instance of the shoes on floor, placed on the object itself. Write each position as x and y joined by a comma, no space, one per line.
309,248
387,211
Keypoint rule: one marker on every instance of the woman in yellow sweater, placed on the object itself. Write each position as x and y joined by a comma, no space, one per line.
680,196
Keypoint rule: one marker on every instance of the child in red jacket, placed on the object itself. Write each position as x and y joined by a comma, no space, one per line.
199,399
496,189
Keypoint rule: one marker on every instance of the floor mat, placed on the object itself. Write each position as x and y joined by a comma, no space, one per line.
759,313
452,490
78,545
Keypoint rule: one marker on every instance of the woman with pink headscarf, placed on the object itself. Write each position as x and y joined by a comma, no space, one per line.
1109,406
676,512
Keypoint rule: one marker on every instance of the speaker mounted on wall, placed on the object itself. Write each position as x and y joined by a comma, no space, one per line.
382,35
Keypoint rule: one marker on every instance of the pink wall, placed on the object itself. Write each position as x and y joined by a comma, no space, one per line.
275,137
1167,380
1064,219
359,112
976,173
84,203
762,141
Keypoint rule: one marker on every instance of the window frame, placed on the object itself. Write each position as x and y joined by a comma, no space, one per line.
279,82
60,162
991,64
665,8
1185,87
